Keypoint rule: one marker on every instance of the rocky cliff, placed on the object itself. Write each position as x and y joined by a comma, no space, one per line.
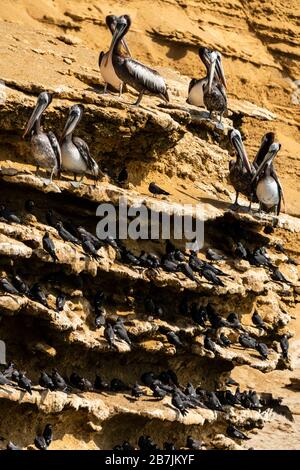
54,46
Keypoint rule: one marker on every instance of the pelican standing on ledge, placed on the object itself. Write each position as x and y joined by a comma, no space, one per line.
266,183
140,77
44,146
105,60
196,86
214,93
75,152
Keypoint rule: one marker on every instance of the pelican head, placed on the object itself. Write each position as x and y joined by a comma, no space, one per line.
43,101
268,159
122,26
74,117
111,21
236,141
209,58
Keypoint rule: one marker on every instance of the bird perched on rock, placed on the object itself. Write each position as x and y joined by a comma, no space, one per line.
209,344
109,335
49,246
4,380
20,285
48,434
136,391
240,251
224,340
145,443
277,275
89,247
186,269
178,403
284,344
234,321
247,341
169,446
263,350
214,255
235,433
36,293
8,287
8,215
100,317
46,382
59,381
60,302
157,391
210,276
258,321
40,443
100,383
193,444
66,235
120,331
213,402
117,385
29,206
156,190
24,383
122,176
12,446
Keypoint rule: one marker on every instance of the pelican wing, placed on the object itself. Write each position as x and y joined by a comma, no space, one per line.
149,78
56,148
84,151
280,189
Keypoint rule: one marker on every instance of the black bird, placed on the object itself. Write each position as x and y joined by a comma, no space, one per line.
100,317
109,335
231,381
60,302
214,269
210,276
89,247
127,447
169,446
12,446
4,380
193,444
46,382
50,218
136,391
48,434
240,251
129,258
65,235
120,331
9,216
100,383
10,370
235,433
29,206
154,189
213,402
178,403
174,339
258,321
49,246
234,321
8,287
40,443
117,385
99,299
188,271
147,378
20,285
247,341
263,350
145,443
24,382
199,315
278,276
284,344
224,340
173,379
179,256
213,255
157,391
83,233
36,293
170,266
259,258
209,344
216,320
122,176
59,381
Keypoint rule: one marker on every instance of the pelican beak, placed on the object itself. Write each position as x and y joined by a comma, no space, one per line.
70,125
125,45
273,150
212,70
241,151
36,114
220,70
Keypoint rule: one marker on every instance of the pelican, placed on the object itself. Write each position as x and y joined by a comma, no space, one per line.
196,86
266,183
44,146
105,60
214,93
140,77
240,170
75,152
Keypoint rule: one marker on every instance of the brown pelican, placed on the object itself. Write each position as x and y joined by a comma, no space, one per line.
44,146
140,77
105,60
266,183
75,152
196,86
214,93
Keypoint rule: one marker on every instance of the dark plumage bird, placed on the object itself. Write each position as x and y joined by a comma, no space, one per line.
277,275
209,344
36,293
259,258
100,383
146,444
59,381
60,302
4,380
263,350
258,321
247,341
46,382
20,285
158,392
122,176
120,331
49,246
213,402
24,383
199,315
100,317
155,189
109,335
224,340
284,344
147,378
234,321
65,235
40,443
210,276
240,251
129,258
8,287
117,385
174,339
214,255
50,218
48,434
12,446
188,271
83,233
136,391
8,215
89,247
235,433
178,403
193,444
169,446
29,206
170,266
